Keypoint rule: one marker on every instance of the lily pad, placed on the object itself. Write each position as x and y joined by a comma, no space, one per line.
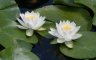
47,26
54,41
57,12
11,33
85,47
90,4
16,52
66,2
7,4
8,30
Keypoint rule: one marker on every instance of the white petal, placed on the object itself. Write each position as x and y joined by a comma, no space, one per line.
21,27
73,23
52,29
63,22
59,29
22,15
29,32
60,40
35,13
60,22
67,22
38,25
21,22
54,32
27,13
29,25
68,38
42,18
69,44
76,36
40,29
75,30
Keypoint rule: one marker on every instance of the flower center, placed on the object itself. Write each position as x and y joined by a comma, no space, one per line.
30,17
67,27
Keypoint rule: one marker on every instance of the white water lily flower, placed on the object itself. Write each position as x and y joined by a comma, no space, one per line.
31,21
66,31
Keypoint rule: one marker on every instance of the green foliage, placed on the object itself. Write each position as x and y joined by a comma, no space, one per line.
54,41
18,52
9,34
65,2
6,19
85,47
47,27
18,46
74,10
56,13
91,4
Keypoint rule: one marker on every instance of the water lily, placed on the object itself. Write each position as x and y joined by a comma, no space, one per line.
31,21
65,32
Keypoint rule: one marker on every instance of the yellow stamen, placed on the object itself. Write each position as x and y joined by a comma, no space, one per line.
29,17
67,27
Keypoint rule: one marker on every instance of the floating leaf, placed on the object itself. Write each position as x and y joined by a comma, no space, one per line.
78,15
7,4
8,30
90,4
54,41
84,47
65,2
47,26
25,45
16,52
8,34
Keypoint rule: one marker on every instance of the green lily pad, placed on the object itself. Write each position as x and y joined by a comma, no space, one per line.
7,15
47,26
8,30
25,45
84,47
11,33
90,4
17,52
7,4
57,12
66,2
54,41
